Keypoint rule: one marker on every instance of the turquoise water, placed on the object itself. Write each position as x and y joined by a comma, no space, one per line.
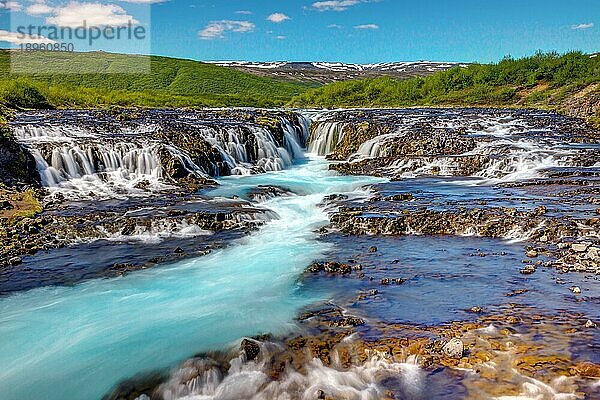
77,342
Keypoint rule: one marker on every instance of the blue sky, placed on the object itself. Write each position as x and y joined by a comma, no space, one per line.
360,31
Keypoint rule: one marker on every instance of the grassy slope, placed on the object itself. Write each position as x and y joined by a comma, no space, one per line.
172,82
569,83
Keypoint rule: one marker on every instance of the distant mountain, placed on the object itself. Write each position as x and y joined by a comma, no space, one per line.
326,72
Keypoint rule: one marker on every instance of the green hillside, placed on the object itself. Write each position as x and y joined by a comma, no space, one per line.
171,82
548,80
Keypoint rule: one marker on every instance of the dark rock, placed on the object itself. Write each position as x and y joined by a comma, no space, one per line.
266,192
128,230
15,261
251,348
331,267
528,270
400,197
179,250
6,205
17,166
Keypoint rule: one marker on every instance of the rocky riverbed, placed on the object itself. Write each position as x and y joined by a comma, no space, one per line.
129,177
434,254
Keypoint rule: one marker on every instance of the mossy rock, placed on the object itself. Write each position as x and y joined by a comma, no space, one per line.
272,123
17,165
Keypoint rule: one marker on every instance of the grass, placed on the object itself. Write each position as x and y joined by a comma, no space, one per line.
542,80
25,204
60,80
63,80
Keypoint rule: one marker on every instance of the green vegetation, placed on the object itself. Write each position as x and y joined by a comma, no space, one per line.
64,80
546,80
543,80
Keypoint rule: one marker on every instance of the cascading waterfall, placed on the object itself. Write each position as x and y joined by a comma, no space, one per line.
375,147
325,136
75,161
295,135
86,162
510,149
79,163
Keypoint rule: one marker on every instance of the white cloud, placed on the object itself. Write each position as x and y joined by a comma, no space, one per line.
335,5
11,5
367,26
281,37
217,29
244,12
39,9
335,26
144,1
278,18
581,27
93,14
18,38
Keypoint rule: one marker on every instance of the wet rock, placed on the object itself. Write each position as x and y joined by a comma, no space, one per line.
6,205
251,348
346,321
593,253
17,166
531,253
128,229
580,247
373,249
136,388
330,267
334,197
266,192
400,197
475,310
576,289
142,185
454,348
588,369
516,292
590,324
15,261
527,270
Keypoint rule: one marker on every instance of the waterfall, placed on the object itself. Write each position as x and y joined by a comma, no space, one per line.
80,162
325,136
295,135
376,147
87,160
509,146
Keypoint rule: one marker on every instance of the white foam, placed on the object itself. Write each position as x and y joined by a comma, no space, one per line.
199,380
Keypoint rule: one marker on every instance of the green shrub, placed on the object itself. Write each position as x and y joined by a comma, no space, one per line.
21,93
476,84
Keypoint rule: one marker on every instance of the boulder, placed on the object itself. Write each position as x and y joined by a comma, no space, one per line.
453,348
580,247
251,348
